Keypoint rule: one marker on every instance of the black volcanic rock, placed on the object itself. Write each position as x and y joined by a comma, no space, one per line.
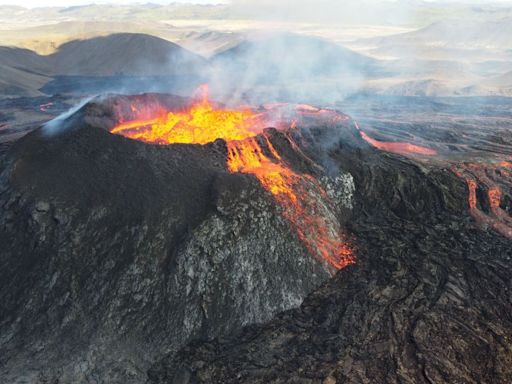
134,61
116,252
124,53
429,300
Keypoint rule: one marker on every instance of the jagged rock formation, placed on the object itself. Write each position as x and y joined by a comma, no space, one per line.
427,302
116,252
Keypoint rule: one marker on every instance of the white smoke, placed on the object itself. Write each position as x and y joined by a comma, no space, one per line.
56,125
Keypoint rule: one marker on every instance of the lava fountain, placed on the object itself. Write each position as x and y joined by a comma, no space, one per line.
304,203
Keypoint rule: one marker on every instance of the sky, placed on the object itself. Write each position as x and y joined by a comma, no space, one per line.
62,3
68,3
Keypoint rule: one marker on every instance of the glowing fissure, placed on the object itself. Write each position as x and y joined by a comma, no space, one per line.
303,201
497,219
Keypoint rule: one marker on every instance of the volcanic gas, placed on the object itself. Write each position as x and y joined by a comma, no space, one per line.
303,200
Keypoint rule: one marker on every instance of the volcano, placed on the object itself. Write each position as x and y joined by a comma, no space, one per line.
178,240
121,241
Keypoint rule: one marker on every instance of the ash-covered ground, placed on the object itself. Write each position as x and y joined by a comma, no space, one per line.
132,262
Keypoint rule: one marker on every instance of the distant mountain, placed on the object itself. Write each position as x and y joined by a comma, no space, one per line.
504,80
124,53
112,12
454,34
415,13
18,82
24,72
496,34
286,57
493,86
289,67
210,43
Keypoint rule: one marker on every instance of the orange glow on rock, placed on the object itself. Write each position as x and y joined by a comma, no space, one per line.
472,193
494,196
475,176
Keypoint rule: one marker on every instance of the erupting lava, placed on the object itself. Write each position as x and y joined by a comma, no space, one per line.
303,201
200,125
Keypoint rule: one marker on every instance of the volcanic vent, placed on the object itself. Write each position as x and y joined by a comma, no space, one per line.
133,230
303,199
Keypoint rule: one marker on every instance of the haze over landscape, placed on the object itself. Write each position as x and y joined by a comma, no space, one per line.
256,191
420,46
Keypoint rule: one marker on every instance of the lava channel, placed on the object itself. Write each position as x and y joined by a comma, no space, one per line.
475,176
399,147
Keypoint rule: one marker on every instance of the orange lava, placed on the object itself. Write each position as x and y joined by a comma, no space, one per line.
494,196
300,197
200,125
472,193
303,201
475,176
398,147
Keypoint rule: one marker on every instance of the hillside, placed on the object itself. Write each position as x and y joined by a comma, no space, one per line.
465,34
124,53
24,72
494,86
290,67
289,56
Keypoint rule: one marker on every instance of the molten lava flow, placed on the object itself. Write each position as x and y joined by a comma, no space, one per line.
304,203
472,193
200,125
398,147
477,175
300,196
